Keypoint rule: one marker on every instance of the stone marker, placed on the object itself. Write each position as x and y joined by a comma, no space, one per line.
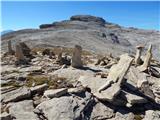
10,50
117,72
19,53
76,58
110,87
137,59
145,66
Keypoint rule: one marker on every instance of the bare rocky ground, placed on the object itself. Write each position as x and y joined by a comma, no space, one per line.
71,83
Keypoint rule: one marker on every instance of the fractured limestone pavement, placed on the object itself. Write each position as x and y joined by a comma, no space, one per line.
50,85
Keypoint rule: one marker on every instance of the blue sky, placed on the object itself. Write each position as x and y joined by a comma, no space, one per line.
20,15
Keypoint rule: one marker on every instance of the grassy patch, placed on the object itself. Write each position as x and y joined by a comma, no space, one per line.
11,83
56,50
137,117
53,82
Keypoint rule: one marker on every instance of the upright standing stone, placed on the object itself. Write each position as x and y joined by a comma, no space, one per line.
19,53
147,60
137,59
76,58
10,50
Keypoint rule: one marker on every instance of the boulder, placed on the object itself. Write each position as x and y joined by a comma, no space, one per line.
16,95
101,112
23,110
64,108
55,92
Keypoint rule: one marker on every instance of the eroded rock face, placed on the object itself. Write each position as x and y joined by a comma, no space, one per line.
76,58
23,110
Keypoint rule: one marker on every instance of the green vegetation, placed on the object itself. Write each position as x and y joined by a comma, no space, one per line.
11,83
137,117
41,79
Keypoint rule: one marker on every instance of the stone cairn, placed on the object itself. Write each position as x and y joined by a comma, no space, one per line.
145,67
10,50
76,57
138,60
21,59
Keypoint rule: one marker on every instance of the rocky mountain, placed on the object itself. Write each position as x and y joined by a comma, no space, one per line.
60,72
93,33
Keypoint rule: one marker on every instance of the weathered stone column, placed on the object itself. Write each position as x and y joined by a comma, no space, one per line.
146,64
19,53
137,59
10,50
76,57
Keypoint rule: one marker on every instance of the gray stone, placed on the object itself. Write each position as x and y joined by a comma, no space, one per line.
134,99
23,110
5,116
146,64
38,88
19,53
55,92
16,95
101,112
117,72
123,116
10,50
64,108
152,115
31,69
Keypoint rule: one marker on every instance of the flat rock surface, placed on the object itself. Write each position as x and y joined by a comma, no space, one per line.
16,95
23,110
101,112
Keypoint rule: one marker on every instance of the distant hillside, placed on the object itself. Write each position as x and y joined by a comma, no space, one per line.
92,33
6,31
